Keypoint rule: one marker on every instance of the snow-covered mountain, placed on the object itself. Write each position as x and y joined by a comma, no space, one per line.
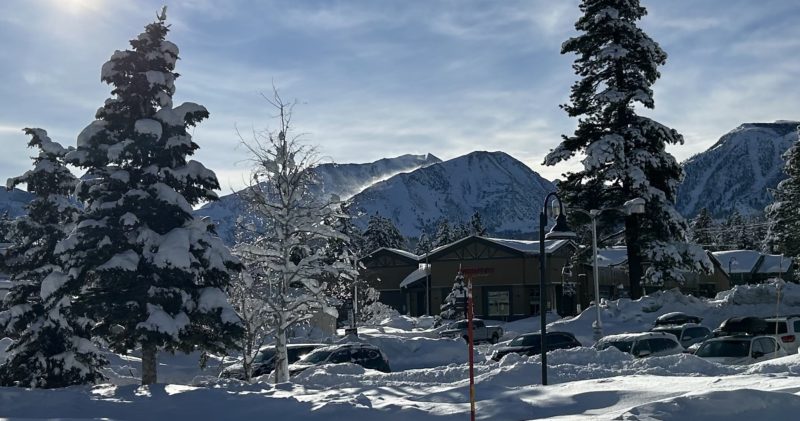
14,201
735,173
505,191
342,180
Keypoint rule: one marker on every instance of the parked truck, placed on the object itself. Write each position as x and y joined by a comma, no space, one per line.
480,332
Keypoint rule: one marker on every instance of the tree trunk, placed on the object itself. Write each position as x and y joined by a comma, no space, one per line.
634,256
281,359
148,364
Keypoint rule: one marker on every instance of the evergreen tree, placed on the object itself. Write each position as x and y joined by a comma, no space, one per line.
52,349
454,306
424,245
381,232
733,230
783,214
155,275
459,231
702,228
444,234
625,152
476,225
291,248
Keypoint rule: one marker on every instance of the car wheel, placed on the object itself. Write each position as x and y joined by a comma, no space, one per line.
495,339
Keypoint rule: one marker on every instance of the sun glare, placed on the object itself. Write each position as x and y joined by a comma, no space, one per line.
76,6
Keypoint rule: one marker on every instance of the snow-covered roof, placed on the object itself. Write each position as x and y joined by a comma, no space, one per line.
612,256
738,261
403,253
420,273
774,263
529,247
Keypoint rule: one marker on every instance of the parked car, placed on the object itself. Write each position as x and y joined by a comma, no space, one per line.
785,329
740,349
645,344
688,334
264,361
676,318
741,325
480,332
531,344
366,355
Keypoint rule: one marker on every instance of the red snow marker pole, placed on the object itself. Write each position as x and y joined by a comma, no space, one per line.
471,348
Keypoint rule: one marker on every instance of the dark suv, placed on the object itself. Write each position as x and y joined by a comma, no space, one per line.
531,344
363,354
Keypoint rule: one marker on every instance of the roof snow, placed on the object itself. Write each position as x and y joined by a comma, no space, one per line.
529,247
738,261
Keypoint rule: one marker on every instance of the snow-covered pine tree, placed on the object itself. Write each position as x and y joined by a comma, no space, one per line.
381,232
783,214
290,249
424,245
460,230
454,306
476,225
703,228
52,347
625,152
155,275
733,230
444,233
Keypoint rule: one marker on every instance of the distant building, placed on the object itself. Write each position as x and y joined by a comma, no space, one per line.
612,264
504,273
749,266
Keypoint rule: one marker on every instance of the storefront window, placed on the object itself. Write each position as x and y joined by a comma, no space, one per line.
498,303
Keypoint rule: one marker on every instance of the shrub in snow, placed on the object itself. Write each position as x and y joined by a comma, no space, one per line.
289,251
625,154
154,274
52,347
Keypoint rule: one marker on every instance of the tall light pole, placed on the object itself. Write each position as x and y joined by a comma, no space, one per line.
560,231
631,207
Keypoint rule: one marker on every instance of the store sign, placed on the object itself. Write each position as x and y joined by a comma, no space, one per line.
477,272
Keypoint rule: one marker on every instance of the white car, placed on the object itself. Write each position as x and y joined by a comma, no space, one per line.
786,329
644,344
740,349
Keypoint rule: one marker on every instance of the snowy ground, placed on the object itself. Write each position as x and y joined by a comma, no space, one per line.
430,379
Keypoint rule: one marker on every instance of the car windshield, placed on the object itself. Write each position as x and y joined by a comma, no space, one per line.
724,349
265,355
624,346
458,325
316,357
528,340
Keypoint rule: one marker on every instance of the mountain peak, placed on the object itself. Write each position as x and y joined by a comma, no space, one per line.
737,171
504,190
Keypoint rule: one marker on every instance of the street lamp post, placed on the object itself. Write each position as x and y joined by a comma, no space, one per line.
631,207
560,231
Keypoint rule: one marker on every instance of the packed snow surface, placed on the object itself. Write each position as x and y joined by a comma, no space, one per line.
430,377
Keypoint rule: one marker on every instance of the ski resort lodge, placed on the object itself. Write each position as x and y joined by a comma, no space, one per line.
505,276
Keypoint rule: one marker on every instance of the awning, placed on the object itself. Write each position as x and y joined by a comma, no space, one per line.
419,274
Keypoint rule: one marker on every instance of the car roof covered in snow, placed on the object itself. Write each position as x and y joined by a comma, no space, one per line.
624,337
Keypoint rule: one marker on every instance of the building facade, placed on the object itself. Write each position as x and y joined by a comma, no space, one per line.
505,276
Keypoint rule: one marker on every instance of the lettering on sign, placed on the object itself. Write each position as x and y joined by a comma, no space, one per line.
477,272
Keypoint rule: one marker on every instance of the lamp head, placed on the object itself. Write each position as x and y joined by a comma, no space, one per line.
560,230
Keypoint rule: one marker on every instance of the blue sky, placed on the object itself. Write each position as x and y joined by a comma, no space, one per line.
380,78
